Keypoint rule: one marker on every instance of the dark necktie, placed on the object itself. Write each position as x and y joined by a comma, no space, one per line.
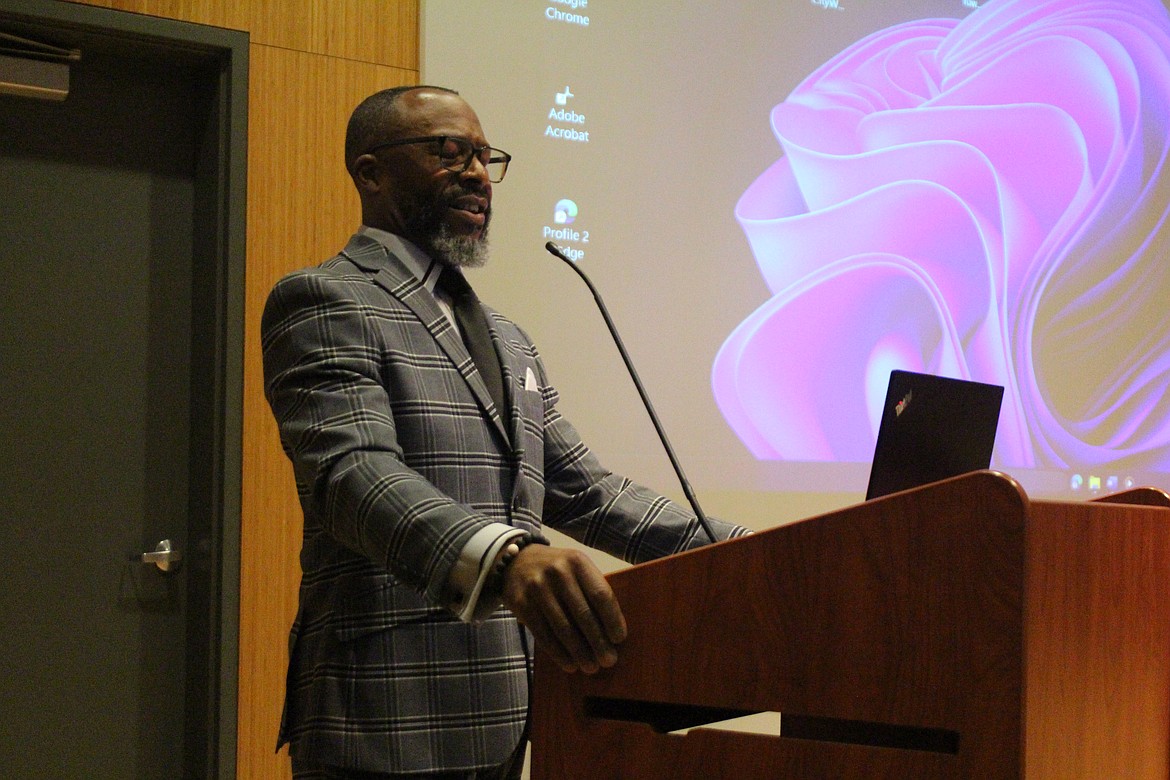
472,320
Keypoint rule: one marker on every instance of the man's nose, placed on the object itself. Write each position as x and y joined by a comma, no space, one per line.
477,170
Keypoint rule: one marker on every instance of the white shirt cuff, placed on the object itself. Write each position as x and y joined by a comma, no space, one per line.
472,569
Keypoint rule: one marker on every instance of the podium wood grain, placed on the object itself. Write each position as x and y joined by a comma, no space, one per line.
955,631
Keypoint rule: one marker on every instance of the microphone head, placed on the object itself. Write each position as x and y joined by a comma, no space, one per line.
556,251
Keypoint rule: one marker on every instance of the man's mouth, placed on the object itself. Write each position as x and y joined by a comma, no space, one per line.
473,210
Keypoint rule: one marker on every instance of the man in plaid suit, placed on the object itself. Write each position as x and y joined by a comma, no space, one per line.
424,497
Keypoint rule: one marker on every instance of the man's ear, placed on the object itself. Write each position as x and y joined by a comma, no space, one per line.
365,173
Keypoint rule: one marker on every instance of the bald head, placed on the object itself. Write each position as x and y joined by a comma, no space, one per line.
381,117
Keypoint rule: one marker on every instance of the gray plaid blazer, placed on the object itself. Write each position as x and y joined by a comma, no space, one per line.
400,457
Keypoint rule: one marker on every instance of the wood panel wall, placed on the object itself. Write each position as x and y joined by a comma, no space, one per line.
311,61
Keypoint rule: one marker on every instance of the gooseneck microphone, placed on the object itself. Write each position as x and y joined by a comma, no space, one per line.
686,486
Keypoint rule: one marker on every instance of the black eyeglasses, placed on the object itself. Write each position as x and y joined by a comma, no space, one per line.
456,154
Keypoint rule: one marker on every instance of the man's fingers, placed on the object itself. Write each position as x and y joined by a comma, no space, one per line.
583,623
569,620
604,606
547,640
556,632
568,605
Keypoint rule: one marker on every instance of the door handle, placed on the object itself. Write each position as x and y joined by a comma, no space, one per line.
164,556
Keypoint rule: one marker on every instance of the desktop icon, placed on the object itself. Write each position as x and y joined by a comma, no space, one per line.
564,212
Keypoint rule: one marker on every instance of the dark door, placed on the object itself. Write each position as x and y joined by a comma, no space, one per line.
109,664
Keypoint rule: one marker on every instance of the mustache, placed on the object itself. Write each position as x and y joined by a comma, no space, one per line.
453,196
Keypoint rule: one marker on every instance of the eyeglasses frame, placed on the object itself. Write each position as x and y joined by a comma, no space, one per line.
503,156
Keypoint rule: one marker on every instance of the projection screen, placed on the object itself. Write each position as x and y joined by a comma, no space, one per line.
782,200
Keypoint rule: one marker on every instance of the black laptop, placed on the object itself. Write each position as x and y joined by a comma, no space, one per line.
932,428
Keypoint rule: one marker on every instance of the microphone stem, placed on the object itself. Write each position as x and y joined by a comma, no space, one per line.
678,470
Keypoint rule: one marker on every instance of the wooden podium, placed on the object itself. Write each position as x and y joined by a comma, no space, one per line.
959,630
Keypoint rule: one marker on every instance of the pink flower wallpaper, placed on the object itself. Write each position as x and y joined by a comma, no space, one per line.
985,199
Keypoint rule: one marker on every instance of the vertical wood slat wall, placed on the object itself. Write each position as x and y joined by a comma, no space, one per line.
311,61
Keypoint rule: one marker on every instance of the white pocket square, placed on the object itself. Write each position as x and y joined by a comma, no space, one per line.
530,380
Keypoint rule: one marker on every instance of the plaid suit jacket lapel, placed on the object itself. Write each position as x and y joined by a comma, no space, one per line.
394,277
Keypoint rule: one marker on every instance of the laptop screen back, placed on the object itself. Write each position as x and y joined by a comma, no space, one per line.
932,428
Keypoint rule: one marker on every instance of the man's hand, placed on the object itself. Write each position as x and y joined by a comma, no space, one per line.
567,604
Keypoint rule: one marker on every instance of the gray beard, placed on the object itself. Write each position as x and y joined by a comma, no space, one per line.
458,251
